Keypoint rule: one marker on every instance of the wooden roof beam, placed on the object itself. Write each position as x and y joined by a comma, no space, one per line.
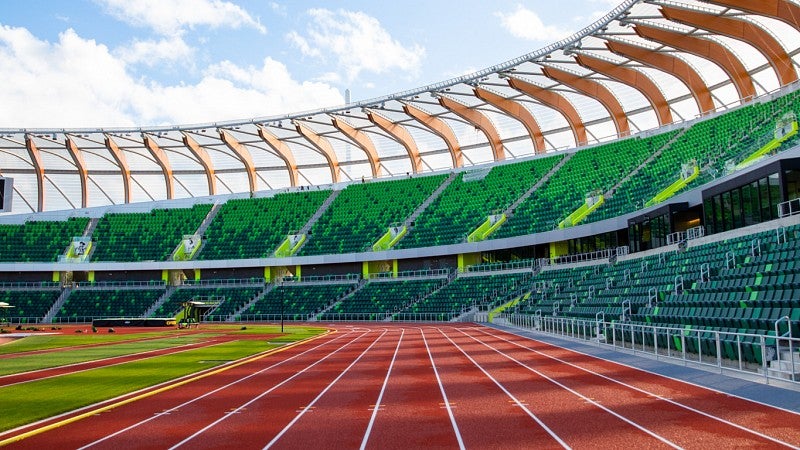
704,48
555,101
77,157
401,135
323,147
362,141
671,65
517,111
595,90
202,156
634,79
38,168
244,156
283,151
122,163
479,121
742,30
440,128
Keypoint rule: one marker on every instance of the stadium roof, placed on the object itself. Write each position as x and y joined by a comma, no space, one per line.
647,63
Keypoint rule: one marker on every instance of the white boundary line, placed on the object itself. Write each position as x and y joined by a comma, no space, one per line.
175,408
383,389
509,394
261,395
319,396
659,397
444,395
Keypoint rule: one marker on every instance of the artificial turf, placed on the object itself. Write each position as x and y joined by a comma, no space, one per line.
37,400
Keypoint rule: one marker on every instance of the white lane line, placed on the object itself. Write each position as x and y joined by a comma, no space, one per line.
444,395
654,395
578,394
209,393
319,396
383,389
101,360
509,394
261,395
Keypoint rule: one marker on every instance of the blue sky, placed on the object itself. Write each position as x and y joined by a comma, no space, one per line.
106,63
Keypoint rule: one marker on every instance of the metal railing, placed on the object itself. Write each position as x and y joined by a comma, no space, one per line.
761,356
789,208
226,282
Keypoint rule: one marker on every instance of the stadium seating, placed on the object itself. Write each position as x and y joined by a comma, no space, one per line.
253,228
38,240
379,298
28,304
297,301
150,236
362,213
467,291
84,304
466,204
593,169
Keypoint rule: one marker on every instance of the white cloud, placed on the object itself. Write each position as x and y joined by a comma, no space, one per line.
172,17
526,24
358,42
76,82
150,52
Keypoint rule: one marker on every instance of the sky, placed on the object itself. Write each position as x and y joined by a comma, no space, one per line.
128,63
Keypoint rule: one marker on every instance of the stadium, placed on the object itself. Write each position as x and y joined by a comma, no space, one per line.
594,244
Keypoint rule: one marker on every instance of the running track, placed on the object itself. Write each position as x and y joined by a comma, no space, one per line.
403,386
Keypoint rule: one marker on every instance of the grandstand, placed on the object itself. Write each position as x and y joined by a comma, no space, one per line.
621,186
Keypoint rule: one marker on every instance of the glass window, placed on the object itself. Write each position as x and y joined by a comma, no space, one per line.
749,205
736,208
763,189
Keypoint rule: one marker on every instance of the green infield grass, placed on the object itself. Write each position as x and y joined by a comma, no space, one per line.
36,400
27,362
49,341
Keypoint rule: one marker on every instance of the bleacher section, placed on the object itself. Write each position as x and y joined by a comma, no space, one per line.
86,303
465,292
253,228
465,204
28,304
38,240
593,169
297,301
148,236
377,299
362,213
711,143
738,285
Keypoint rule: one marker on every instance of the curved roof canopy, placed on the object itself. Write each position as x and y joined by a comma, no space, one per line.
646,64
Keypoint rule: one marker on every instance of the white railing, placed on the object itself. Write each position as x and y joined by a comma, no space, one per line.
789,208
766,357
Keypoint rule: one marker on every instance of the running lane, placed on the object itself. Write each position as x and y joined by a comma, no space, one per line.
341,415
478,402
690,416
412,412
580,421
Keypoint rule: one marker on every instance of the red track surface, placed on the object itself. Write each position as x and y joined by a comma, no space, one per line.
434,386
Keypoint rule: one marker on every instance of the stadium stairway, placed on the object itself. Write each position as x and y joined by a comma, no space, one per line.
239,311
161,300
48,318
314,218
509,212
